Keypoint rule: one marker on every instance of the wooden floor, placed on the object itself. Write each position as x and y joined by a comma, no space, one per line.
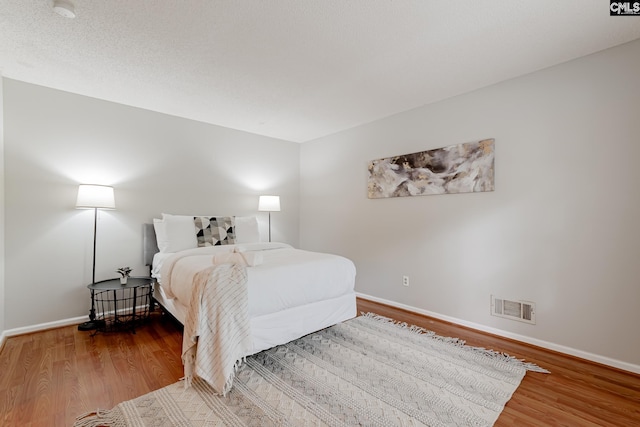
48,378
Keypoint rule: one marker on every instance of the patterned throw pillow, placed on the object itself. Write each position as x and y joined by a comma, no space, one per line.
214,230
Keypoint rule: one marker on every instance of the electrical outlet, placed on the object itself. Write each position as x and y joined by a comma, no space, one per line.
405,280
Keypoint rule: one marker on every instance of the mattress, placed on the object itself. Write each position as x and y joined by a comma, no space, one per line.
286,277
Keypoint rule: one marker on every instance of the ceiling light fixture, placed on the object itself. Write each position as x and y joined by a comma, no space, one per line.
64,8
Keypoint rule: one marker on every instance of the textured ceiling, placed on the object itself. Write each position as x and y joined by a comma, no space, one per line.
295,69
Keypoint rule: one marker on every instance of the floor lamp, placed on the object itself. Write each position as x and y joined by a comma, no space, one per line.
269,204
94,197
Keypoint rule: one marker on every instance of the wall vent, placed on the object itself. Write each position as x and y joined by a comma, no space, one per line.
522,311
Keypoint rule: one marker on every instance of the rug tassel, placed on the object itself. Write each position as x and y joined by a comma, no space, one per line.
229,383
403,325
97,418
535,368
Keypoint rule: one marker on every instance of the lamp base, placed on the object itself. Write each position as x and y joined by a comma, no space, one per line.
91,325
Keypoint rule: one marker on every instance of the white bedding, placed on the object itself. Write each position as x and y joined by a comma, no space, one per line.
287,278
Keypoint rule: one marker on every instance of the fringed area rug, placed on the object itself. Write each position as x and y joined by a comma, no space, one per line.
367,371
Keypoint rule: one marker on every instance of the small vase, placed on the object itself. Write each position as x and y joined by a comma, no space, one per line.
123,280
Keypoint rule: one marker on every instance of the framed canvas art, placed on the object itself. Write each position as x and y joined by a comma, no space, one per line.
462,168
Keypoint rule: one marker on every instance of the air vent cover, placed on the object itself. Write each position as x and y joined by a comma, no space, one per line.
522,311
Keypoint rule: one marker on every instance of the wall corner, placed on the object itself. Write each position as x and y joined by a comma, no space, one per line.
2,300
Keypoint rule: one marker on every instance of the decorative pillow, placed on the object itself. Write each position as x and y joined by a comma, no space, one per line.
178,233
215,230
247,230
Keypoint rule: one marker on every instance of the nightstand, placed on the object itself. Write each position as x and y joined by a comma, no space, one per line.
120,307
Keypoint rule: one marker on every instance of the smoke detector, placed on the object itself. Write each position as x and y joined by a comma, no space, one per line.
64,8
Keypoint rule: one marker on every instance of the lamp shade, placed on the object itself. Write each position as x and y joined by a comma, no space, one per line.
269,204
95,196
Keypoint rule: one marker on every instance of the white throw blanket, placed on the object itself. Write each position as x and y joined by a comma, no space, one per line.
239,256
217,332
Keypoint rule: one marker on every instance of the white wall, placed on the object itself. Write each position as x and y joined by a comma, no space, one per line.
561,228
156,163
2,303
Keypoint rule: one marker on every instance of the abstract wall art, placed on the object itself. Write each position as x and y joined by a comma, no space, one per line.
462,168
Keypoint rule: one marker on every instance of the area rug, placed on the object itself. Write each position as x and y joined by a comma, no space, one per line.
368,371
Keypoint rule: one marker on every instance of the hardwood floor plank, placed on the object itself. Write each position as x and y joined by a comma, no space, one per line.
51,377
9,403
42,386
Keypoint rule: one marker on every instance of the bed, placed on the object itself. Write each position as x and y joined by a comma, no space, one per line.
291,292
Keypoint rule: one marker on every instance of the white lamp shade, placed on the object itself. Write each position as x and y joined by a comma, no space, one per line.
269,204
95,196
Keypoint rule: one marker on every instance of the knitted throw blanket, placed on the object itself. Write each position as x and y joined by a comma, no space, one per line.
217,334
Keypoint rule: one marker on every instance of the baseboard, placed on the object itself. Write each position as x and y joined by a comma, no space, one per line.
42,327
625,366
3,338
49,325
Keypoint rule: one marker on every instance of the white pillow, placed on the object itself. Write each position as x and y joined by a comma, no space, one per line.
161,234
247,229
180,233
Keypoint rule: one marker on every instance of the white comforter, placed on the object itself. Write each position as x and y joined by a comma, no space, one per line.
286,278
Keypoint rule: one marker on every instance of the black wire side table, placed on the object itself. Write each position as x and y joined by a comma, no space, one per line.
121,307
